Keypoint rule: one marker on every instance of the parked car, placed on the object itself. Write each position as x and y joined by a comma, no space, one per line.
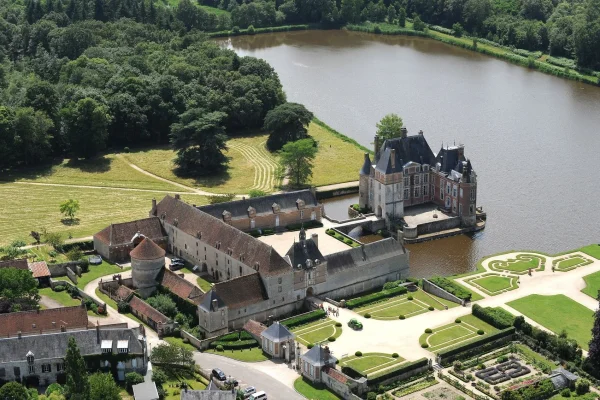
175,267
95,260
259,396
220,375
176,260
249,391
354,324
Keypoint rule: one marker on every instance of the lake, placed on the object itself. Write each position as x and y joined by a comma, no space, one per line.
533,138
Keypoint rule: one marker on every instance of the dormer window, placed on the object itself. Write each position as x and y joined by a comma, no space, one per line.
30,358
300,204
226,216
276,208
106,346
251,212
123,346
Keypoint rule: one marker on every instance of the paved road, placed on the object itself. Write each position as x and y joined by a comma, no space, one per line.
263,375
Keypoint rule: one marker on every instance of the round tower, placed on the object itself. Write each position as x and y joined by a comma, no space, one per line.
363,183
147,261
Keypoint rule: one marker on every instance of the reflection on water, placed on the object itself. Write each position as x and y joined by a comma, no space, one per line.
532,138
337,207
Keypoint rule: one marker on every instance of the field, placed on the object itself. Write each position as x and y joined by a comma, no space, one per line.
592,284
519,265
557,313
311,391
455,333
371,363
592,250
317,331
493,284
393,307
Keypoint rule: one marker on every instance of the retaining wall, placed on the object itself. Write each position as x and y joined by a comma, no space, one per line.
439,292
203,344
405,375
72,276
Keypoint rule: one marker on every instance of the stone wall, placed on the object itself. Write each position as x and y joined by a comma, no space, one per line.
439,292
61,268
405,375
82,294
436,226
194,341
72,275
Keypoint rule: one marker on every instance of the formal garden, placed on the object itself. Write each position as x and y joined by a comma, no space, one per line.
318,331
570,262
521,264
462,330
494,284
367,364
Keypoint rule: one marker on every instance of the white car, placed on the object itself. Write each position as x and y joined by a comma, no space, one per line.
249,391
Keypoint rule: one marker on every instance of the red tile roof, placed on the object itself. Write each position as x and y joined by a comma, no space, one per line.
46,320
337,375
123,292
118,234
181,287
147,250
141,307
211,230
254,328
18,264
39,269
242,291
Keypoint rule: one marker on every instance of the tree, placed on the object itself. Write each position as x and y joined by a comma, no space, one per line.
458,29
172,357
402,17
199,139
593,358
391,14
19,289
54,388
164,304
69,208
13,391
86,126
103,387
77,386
296,160
390,127
287,122
133,378
75,254
159,377
418,25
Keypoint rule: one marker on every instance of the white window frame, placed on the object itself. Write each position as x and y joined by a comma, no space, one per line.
425,178
417,192
417,180
32,369
406,181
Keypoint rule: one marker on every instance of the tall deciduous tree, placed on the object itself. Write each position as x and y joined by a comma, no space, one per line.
199,139
32,138
390,126
593,358
296,160
287,122
86,125
103,387
19,289
78,385
172,356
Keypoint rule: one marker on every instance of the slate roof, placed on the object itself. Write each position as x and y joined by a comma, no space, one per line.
145,391
39,269
408,149
366,168
302,251
567,374
277,333
206,303
357,256
319,356
181,287
211,230
147,250
238,292
18,264
207,395
262,205
146,309
122,233
34,321
89,343
254,328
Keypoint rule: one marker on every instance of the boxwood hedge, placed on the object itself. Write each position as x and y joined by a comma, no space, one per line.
373,297
497,317
377,378
492,339
303,319
451,288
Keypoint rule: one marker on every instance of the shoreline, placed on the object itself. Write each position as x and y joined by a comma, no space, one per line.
471,43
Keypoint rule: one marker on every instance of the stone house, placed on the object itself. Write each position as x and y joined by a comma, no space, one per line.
115,242
278,341
405,172
316,360
273,212
162,324
39,358
49,320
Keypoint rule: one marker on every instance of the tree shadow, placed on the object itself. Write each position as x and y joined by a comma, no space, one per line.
94,165
30,173
69,221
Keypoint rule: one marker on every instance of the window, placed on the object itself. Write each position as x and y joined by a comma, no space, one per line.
279,280
185,245
425,168
417,192
454,191
60,367
441,195
406,194
217,262
279,289
460,209
123,351
240,270
405,171
416,180
425,178
461,192
417,169
2,372
32,369
471,209
406,182
46,368
425,190
30,358
473,194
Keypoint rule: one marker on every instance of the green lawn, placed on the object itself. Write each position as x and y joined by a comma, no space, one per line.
254,354
172,386
535,358
317,331
455,333
568,264
63,297
519,265
494,284
592,250
97,271
312,392
592,284
42,254
177,341
203,284
557,313
370,363
214,10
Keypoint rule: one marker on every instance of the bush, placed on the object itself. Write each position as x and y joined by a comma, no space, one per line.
330,232
377,29
431,308
565,393
392,285
403,368
159,376
457,366
409,298
235,30
402,317
235,345
395,355
54,388
303,319
497,317
358,354
133,378
331,339
310,346
457,29
219,347
371,396
373,297
60,288
457,320
74,254
582,386
424,345
428,330
451,287
480,332
250,30
348,241
338,324
123,307
367,315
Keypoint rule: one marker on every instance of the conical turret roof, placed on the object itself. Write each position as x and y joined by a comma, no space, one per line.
147,250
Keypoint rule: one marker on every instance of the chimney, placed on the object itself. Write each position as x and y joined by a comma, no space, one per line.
315,239
403,132
177,196
376,143
215,304
153,210
19,334
421,132
393,156
62,328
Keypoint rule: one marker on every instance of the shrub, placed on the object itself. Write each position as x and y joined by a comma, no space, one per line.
409,298
123,307
330,232
392,285
378,377
367,315
582,386
457,29
424,345
358,354
377,29
235,345
54,388
338,324
457,365
219,347
74,254
371,396
235,30
395,355
402,317
303,319
373,297
348,241
431,308
480,332
331,339
133,378
250,30
497,317
451,287
59,288
565,393
501,359
428,330
85,265
480,366
256,193
310,346
457,320
469,377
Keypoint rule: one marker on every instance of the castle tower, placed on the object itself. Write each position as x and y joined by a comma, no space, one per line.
363,183
147,261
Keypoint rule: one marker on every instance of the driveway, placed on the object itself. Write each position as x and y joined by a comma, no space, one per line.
276,379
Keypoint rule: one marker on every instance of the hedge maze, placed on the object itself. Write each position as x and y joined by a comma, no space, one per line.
502,372
521,264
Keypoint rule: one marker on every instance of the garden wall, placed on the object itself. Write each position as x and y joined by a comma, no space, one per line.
197,343
61,268
439,292
81,293
404,372
72,275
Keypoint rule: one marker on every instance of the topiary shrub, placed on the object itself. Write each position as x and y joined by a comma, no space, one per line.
424,345
395,355
431,308
126,149
348,241
310,346
219,347
331,339
457,320
358,354
402,317
409,298
428,330
367,315
338,324
480,332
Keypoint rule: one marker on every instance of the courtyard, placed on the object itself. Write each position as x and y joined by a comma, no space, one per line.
319,331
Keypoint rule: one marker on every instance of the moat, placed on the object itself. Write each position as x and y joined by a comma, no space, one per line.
532,138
